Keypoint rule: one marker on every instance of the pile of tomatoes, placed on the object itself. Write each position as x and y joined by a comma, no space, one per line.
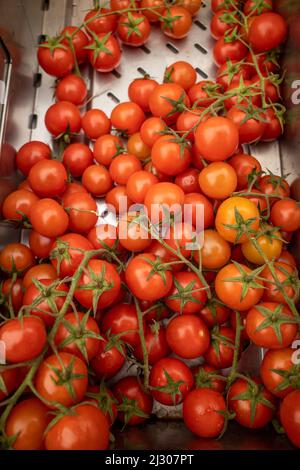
80,302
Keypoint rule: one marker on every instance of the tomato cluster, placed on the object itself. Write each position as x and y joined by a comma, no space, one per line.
85,297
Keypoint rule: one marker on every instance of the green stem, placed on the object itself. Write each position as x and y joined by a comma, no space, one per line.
143,344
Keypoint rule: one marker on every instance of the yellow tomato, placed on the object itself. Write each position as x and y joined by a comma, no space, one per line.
270,245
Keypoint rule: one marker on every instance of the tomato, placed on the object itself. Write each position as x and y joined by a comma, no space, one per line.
216,5
106,148
63,117
133,28
86,429
135,405
252,403
266,63
17,205
287,257
188,336
14,290
193,6
117,199
9,380
285,214
108,360
218,27
156,344
273,128
52,295
195,200
160,104
270,325
270,243
82,210
145,283
218,180
137,147
274,185
105,401
205,377
103,236
221,349
215,252
48,218
232,50
182,73
227,215
28,421
170,156
31,153
188,181
24,339
187,122
250,129
76,158
73,188
138,184
199,93
243,97
289,416
48,178
286,276
103,21
203,412
245,166
255,7
68,252
71,88
40,245
232,72
39,272
132,233
123,166
188,294
119,320
210,133
176,22
267,31
16,258
139,91
278,372
95,123
127,117
163,194
79,40
158,8
96,179
171,380
270,88
55,58
230,292
104,52
99,286
151,129
214,313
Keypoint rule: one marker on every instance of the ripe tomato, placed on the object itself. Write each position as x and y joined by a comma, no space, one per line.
106,148
132,233
16,258
156,344
218,180
68,252
39,272
105,401
170,381
193,6
116,5
79,40
230,291
122,320
218,26
104,52
205,377
31,153
286,275
187,122
161,106
215,252
76,158
188,336
138,184
278,372
285,214
63,117
147,278
227,216
210,133
133,28
270,243
95,123
267,31
176,22
275,185
96,179
232,50
71,88
214,313
82,210
103,21
203,412
252,403
163,194
24,339
270,325
244,165
188,294
151,129
232,72
104,236
200,93
139,91
48,218
273,128
135,405
108,360
40,245
123,166
28,421
221,349
289,416
127,117
188,181
52,297
250,129
229,5
55,57
86,429
48,178
13,289
137,147
255,7
195,200
62,379
182,73
73,188
158,7
9,379
170,156
17,205
117,200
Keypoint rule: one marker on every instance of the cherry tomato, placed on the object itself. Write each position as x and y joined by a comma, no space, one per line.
39,272
79,40
108,360
103,21
122,320
278,372
285,214
117,199
170,156
218,27
31,153
17,205
133,28
215,251
63,117
16,258
273,128
138,184
188,336
195,200
14,290
137,147
270,244
289,416
214,313
127,117
188,181
182,73
123,166
210,133
244,165
267,31
188,294
104,52
161,194
232,72
218,180
232,50
156,344
139,91
48,218
96,179
221,349
255,7
160,104
40,245
151,129
286,275
250,129
68,252
9,379
106,148
135,403
76,158
176,22
272,184
71,88
55,57
82,210
48,178
95,123
158,7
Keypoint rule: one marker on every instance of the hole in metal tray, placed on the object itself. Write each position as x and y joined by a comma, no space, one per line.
116,73
41,38
172,48
142,71
145,49
37,80
45,4
200,48
32,123
200,25
201,73
113,97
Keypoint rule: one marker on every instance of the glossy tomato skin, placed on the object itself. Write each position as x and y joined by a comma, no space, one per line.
289,416
205,377
15,289
286,215
129,388
30,153
16,258
133,29
76,158
137,147
71,88
119,320
169,157
182,73
17,205
214,313
156,344
79,39
106,148
188,181
162,108
218,180
215,252
95,123
210,133
40,245
196,199
82,210
138,184
234,50
181,22
100,24
152,15
96,180
108,360
192,297
48,218
58,63
250,129
105,61
63,117
127,117
188,336
10,378
87,429
243,165
267,31
24,340
48,178
150,130
220,352
179,372
39,272
28,420
278,372
218,27
139,91
202,412
123,166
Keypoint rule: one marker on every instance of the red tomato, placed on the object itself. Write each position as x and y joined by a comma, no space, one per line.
289,416
17,205
119,320
82,210
55,57
214,313
40,245
76,158
221,350
158,7
95,123
285,275
278,371
232,50
16,258
188,294
267,31
79,40
156,344
135,405
272,184
138,184
71,88
188,181
48,218
210,133
195,200
117,200
231,72
160,104
218,180
285,214
160,194
200,93
133,28
127,117
101,21
63,117
104,52
256,8
106,148
176,22
109,359
9,379
205,377
245,166
13,289
31,153
139,91
218,26
182,73
96,179
48,178
123,166
68,252
273,128
170,156
250,129
103,236
151,129
39,272
188,336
